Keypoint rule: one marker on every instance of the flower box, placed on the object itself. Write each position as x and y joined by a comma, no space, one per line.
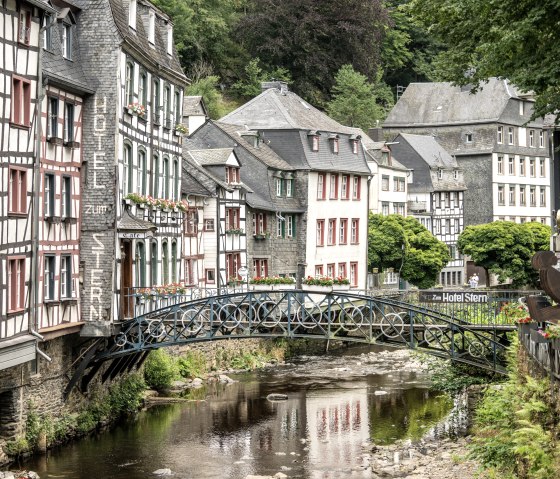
537,337
317,288
280,287
526,328
341,287
261,287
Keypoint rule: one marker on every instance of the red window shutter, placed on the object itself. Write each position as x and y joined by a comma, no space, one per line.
21,275
26,103
16,101
23,191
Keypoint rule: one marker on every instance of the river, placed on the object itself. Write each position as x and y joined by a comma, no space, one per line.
335,404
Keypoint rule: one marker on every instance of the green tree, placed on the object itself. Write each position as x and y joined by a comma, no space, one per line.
249,85
356,102
208,89
498,38
505,248
407,246
312,39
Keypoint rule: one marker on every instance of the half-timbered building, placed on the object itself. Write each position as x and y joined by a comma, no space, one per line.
20,80
131,196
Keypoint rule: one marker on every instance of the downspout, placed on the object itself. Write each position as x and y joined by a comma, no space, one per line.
218,229
369,178
34,297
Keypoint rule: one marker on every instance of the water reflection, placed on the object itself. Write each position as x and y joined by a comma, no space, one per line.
334,405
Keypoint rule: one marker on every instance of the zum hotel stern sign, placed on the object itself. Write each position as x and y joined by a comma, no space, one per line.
453,297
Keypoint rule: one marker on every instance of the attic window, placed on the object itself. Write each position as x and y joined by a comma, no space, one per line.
169,39
439,173
67,41
355,146
132,14
455,174
152,27
252,137
468,137
334,143
314,139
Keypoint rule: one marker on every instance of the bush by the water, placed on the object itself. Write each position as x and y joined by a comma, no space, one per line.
160,370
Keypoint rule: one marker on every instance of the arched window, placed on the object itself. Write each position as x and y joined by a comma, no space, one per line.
175,182
177,107
153,263
165,186
156,177
140,264
141,177
164,263
143,89
127,169
129,83
156,103
174,262
167,105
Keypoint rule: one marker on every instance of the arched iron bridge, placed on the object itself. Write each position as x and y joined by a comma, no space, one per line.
336,316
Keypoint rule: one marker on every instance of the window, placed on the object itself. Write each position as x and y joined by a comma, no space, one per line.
437,226
280,228
385,208
512,195
67,41
501,198
165,178
156,177
334,187
541,139
52,118
321,186
532,196
21,101
175,181
331,234
447,199
330,270
151,26
191,222
289,188
398,184
66,197
143,89
532,173
511,165
344,187
510,135
132,14
456,225
154,262
521,166
156,103
315,142
260,267
232,218
319,270
278,186
48,277
355,147
210,275
542,196
356,188
522,199
335,145
439,173
500,165
398,208
177,106
452,198
208,224
355,231
259,223
354,274
129,84
17,191
542,168
24,26
500,134
127,169
65,277
174,278
531,138
290,226
141,176
468,137
189,271
384,183
342,270
16,283
233,263
437,200
320,232
343,231
167,106
47,32
455,174
447,225
164,263
68,122
140,264
49,195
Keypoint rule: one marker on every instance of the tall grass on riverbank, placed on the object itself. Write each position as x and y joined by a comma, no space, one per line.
517,427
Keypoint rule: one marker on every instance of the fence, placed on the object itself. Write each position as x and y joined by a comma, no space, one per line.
545,352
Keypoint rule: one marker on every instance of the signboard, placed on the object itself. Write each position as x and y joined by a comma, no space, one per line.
141,235
453,297
243,272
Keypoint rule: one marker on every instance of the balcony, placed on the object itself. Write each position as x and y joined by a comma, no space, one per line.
417,206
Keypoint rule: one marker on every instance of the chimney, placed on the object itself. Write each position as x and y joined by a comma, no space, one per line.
376,134
279,85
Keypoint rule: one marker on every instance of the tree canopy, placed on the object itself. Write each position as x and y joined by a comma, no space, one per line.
509,39
356,102
505,248
407,246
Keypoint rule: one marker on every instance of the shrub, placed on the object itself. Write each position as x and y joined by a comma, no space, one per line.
16,447
160,370
193,364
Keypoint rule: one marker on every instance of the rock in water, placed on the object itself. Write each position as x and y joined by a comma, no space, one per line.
277,397
162,472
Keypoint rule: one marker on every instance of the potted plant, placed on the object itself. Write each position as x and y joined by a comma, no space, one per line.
320,284
340,283
234,231
268,283
181,129
552,333
537,336
136,109
526,324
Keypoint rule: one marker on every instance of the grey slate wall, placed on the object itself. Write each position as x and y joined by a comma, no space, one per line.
477,205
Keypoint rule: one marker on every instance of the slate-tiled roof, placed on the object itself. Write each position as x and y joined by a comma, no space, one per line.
373,150
273,109
131,223
193,105
68,74
443,103
195,182
213,156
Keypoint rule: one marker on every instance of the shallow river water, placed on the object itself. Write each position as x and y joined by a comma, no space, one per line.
335,404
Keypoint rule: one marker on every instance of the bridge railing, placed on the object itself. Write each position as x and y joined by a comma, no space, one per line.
545,352
473,306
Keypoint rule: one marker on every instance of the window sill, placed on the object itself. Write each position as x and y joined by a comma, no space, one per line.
14,312
17,214
49,303
53,219
69,301
19,126
72,144
54,140
69,220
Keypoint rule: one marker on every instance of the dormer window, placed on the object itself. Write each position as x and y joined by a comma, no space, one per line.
132,13
232,174
468,137
152,27
455,174
169,39
314,139
334,143
251,137
47,33
439,173
67,41
355,147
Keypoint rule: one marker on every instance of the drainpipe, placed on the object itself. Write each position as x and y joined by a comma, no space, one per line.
218,230
34,297
369,178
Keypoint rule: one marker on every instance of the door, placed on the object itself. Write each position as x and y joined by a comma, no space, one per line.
127,300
